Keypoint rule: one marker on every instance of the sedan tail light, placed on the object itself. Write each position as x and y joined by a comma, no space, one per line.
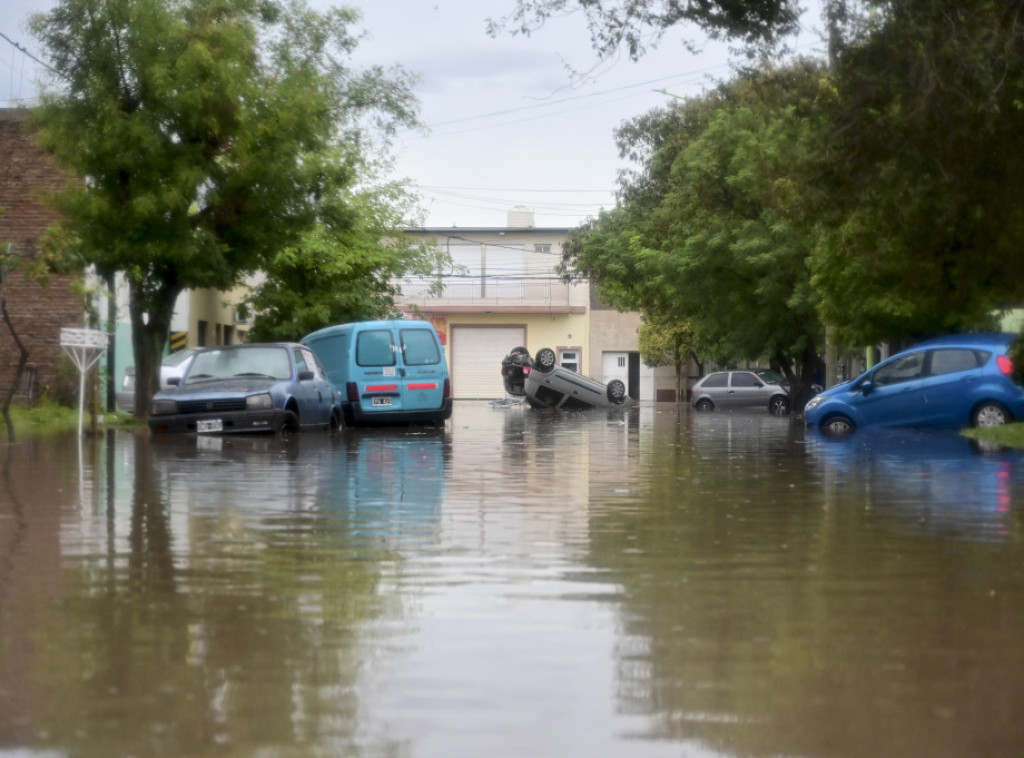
1005,364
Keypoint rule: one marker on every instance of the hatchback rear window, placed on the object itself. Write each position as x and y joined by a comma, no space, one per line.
716,380
952,360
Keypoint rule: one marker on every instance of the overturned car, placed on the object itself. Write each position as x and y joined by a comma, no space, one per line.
545,384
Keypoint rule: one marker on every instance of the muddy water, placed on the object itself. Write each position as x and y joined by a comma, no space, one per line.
649,584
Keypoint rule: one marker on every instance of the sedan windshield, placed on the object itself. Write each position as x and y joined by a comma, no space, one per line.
210,365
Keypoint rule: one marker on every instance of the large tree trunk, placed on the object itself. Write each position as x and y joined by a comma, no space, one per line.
150,330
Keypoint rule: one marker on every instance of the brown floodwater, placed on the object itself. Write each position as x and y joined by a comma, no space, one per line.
644,583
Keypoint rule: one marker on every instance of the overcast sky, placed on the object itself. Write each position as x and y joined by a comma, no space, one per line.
507,123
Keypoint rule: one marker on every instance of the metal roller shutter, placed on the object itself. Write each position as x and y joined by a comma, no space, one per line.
476,359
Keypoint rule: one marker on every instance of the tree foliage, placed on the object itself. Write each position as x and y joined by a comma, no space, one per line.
638,24
925,231
346,272
714,228
209,135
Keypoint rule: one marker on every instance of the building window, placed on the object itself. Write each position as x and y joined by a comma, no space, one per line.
201,328
542,248
570,359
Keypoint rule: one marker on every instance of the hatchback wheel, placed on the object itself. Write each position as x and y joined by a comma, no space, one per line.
990,414
616,391
837,425
545,360
704,405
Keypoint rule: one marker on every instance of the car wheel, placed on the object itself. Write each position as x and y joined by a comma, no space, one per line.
616,391
545,360
289,423
837,426
990,413
704,405
778,405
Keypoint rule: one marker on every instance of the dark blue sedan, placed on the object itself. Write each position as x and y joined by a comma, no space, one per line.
949,382
264,387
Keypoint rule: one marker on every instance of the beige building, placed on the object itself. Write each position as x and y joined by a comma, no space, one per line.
502,290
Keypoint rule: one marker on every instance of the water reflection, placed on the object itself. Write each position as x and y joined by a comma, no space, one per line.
646,583
931,482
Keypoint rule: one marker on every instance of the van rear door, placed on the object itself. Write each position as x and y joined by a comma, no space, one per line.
376,371
422,367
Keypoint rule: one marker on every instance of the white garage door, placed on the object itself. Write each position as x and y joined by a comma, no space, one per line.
476,359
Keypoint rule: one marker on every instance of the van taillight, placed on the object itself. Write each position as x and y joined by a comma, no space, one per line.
447,388
352,390
1005,364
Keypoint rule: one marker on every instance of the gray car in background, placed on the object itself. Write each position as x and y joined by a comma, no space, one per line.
752,389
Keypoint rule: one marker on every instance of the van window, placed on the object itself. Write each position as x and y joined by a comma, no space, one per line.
419,348
374,348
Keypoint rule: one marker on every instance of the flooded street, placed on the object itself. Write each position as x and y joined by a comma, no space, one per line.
642,583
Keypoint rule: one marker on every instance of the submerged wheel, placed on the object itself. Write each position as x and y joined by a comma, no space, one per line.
616,391
704,405
289,423
545,360
837,425
778,405
990,413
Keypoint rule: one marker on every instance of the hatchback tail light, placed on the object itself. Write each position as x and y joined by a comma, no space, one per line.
1005,364
526,371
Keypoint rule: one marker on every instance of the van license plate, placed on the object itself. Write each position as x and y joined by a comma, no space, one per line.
209,425
381,400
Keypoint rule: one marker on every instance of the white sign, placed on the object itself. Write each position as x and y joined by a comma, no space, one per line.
93,338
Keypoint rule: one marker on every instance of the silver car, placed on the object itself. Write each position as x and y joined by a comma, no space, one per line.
548,385
755,388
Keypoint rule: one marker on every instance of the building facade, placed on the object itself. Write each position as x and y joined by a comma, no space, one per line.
501,289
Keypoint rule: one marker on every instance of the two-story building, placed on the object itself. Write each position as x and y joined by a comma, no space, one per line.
501,290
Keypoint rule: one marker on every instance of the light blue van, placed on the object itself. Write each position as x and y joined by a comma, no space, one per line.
387,372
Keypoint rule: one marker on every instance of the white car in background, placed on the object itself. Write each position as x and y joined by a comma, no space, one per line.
173,367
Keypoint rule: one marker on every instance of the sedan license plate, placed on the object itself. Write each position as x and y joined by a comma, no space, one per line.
209,425
381,400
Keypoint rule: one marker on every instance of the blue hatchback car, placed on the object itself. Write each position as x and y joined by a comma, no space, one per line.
949,382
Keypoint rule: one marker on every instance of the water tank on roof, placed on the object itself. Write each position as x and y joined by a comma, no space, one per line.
520,217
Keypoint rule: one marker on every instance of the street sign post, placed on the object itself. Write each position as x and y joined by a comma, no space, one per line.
84,347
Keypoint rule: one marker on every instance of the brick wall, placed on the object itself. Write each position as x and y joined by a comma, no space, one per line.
38,312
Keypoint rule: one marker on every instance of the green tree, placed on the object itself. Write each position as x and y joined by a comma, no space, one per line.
348,271
926,165
665,341
208,135
716,225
